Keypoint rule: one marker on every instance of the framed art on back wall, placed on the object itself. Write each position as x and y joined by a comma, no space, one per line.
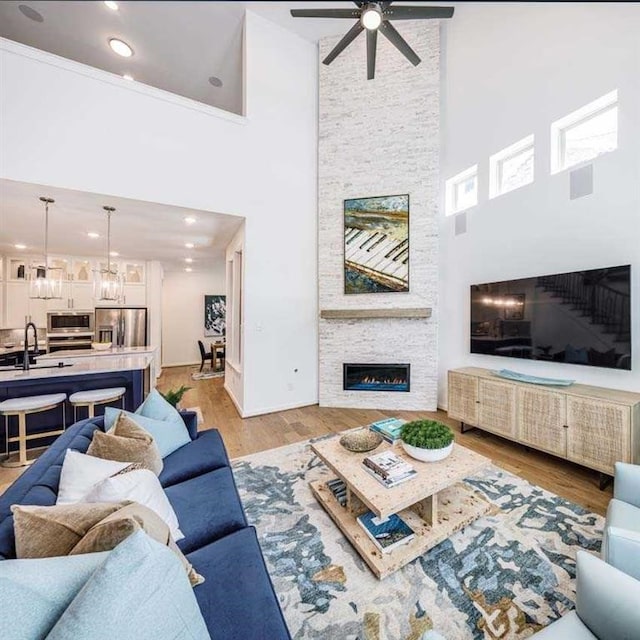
376,244
215,313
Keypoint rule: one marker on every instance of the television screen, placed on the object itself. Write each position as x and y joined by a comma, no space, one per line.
582,317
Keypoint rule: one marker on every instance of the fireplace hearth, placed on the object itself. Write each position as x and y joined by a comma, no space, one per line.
376,377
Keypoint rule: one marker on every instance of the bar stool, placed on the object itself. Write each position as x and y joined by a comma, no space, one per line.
92,397
22,407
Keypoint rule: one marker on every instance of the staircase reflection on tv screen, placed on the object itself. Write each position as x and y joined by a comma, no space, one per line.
583,317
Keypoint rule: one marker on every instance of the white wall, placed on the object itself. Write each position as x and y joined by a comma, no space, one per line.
71,126
510,71
183,312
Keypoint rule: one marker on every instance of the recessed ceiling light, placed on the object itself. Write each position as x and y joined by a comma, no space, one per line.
120,47
188,269
93,234
30,13
111,5
189,245
189,260
127,76
190,220
20,246
114,254
215,81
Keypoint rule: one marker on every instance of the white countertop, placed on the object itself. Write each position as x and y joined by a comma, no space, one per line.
90,353
81,367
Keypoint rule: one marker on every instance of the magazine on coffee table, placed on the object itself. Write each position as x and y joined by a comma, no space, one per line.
389,428
387,534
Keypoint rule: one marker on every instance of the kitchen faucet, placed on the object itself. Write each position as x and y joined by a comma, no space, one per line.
25,360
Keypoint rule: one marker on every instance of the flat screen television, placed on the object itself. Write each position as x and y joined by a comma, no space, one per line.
583,317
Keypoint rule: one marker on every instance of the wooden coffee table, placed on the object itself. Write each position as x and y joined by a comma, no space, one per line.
435,503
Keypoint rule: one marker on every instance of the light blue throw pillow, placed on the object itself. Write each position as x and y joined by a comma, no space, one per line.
168,436
35,593
156,407
141,592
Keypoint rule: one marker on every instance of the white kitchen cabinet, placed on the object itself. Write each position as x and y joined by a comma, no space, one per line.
81,296
134,296
17,304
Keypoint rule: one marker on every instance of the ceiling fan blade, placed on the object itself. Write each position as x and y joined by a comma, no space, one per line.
417,13
390,32
351,35
372,43
325,13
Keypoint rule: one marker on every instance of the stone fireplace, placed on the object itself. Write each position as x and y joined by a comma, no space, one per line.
361,157
376,377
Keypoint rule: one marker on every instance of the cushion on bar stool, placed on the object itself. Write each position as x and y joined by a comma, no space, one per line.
31,403
97,395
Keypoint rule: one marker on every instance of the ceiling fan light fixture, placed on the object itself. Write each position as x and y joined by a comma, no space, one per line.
120,47
371,17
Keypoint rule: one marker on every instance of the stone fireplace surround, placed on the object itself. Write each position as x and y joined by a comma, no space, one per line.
375,138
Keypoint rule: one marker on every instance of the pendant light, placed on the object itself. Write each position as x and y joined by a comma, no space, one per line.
45,282
108,284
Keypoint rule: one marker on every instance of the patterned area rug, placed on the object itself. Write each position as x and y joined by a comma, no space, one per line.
206,375
503,577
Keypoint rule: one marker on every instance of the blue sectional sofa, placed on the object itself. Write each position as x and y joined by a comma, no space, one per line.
237,599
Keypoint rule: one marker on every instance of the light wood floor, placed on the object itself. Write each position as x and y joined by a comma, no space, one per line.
251,435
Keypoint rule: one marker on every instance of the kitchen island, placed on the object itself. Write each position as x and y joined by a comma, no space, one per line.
58,373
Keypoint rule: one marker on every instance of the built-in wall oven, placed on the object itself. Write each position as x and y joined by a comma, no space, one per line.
69,330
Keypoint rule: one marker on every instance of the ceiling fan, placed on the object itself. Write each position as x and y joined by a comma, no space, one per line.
374,17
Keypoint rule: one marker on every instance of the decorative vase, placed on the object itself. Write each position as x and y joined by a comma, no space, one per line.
427,455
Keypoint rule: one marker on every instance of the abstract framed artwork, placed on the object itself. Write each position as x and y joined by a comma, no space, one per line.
376,244
215,314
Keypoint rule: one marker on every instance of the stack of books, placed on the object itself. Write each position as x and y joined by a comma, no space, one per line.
386,534
339,490
389,468
390,428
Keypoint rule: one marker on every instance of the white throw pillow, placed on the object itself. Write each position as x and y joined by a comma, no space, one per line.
140,486
80,472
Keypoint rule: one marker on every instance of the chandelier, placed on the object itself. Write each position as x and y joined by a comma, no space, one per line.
108,284
45,282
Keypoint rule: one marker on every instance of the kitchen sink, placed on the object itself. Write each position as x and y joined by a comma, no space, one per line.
58,365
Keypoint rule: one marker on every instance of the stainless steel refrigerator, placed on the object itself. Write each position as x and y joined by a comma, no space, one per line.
121,326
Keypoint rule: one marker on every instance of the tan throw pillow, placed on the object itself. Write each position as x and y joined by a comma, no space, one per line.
110,531
42,532
45,532
127,442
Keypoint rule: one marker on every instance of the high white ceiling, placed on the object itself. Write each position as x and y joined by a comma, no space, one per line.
177,46
139,230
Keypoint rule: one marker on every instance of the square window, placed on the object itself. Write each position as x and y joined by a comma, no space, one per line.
462,191
512,167
585,133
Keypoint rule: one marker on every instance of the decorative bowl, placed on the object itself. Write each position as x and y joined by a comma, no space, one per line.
101,346
361,441
427,455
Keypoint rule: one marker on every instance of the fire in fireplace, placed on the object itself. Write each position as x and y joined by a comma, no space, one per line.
375,377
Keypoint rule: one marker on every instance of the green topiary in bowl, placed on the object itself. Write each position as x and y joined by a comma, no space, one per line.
427,440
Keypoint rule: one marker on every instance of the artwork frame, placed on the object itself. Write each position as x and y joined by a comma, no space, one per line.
215,316
376,244
515,312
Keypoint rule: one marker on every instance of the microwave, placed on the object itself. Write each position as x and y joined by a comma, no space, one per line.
70,322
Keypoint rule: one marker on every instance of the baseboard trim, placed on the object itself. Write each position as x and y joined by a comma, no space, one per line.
179,364
236,404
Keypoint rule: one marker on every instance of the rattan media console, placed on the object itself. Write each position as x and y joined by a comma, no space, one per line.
592,426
